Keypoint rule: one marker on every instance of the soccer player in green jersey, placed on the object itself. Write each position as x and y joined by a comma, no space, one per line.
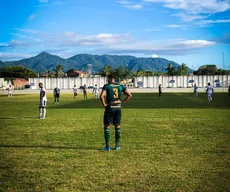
112,104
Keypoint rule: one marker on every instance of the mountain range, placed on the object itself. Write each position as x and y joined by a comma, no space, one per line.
45,61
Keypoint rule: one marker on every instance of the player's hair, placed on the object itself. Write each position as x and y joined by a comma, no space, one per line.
111,76
208,83
40,84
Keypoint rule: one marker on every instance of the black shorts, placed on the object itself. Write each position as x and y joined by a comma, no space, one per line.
112,116
57,95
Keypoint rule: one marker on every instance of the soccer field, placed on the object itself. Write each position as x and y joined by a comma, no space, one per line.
177,142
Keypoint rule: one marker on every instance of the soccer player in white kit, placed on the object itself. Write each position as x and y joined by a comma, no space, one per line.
10,91
43,100
96,92
74,91
209,92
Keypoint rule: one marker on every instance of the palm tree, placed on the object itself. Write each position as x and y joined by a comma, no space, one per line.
106,70
171,70
58,70
183,69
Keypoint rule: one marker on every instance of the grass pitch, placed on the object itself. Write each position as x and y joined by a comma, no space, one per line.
174,143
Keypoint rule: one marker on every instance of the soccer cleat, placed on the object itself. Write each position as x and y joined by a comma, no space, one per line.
117,148
39,117
42,117
106,149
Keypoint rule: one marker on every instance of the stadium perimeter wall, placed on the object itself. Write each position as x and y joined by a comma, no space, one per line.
68,83
141,82
144,82
183,81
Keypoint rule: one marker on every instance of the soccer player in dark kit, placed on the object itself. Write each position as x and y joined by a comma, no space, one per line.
56,95
112,104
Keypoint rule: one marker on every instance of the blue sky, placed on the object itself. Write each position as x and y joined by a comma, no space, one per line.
194,32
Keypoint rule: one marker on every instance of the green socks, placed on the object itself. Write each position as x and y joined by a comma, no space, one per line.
117,136
106,136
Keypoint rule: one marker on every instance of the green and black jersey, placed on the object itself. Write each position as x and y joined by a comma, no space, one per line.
113,94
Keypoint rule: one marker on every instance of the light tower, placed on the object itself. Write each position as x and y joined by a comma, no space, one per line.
90,69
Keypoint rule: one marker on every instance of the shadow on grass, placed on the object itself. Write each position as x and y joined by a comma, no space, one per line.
153,101
49,147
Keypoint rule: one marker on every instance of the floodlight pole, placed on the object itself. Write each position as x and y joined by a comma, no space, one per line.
223,69
223,60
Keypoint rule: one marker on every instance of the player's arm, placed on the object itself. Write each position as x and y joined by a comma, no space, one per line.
102,98
128,96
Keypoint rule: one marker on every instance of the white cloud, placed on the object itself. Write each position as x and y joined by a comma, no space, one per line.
130,5
187,18
173,26
195,6
152,29
12,43
58,2
71,38
69,34
207,22
25,36
43,1
32,31
154,56
174,47
191,10
31,17
135,6
197,43
5,56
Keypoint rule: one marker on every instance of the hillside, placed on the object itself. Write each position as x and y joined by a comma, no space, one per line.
45,61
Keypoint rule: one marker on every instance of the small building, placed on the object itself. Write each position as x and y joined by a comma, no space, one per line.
76,73
19,83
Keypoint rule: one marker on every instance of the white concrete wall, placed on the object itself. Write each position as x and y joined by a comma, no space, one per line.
183,81
68,83
4,83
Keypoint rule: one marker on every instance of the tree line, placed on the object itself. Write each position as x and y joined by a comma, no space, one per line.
120,72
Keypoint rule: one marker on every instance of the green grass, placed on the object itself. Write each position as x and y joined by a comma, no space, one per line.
174,143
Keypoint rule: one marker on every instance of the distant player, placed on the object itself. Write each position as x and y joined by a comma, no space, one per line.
10,91
112,104
85,92
209,92
159,90
195,90
229,90
96,92
74,91
43,100
56,95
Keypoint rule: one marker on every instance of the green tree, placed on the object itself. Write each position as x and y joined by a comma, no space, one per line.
171,70
182,69
106,70
59,71
50,73
140,73
17,72
148,73
206,70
